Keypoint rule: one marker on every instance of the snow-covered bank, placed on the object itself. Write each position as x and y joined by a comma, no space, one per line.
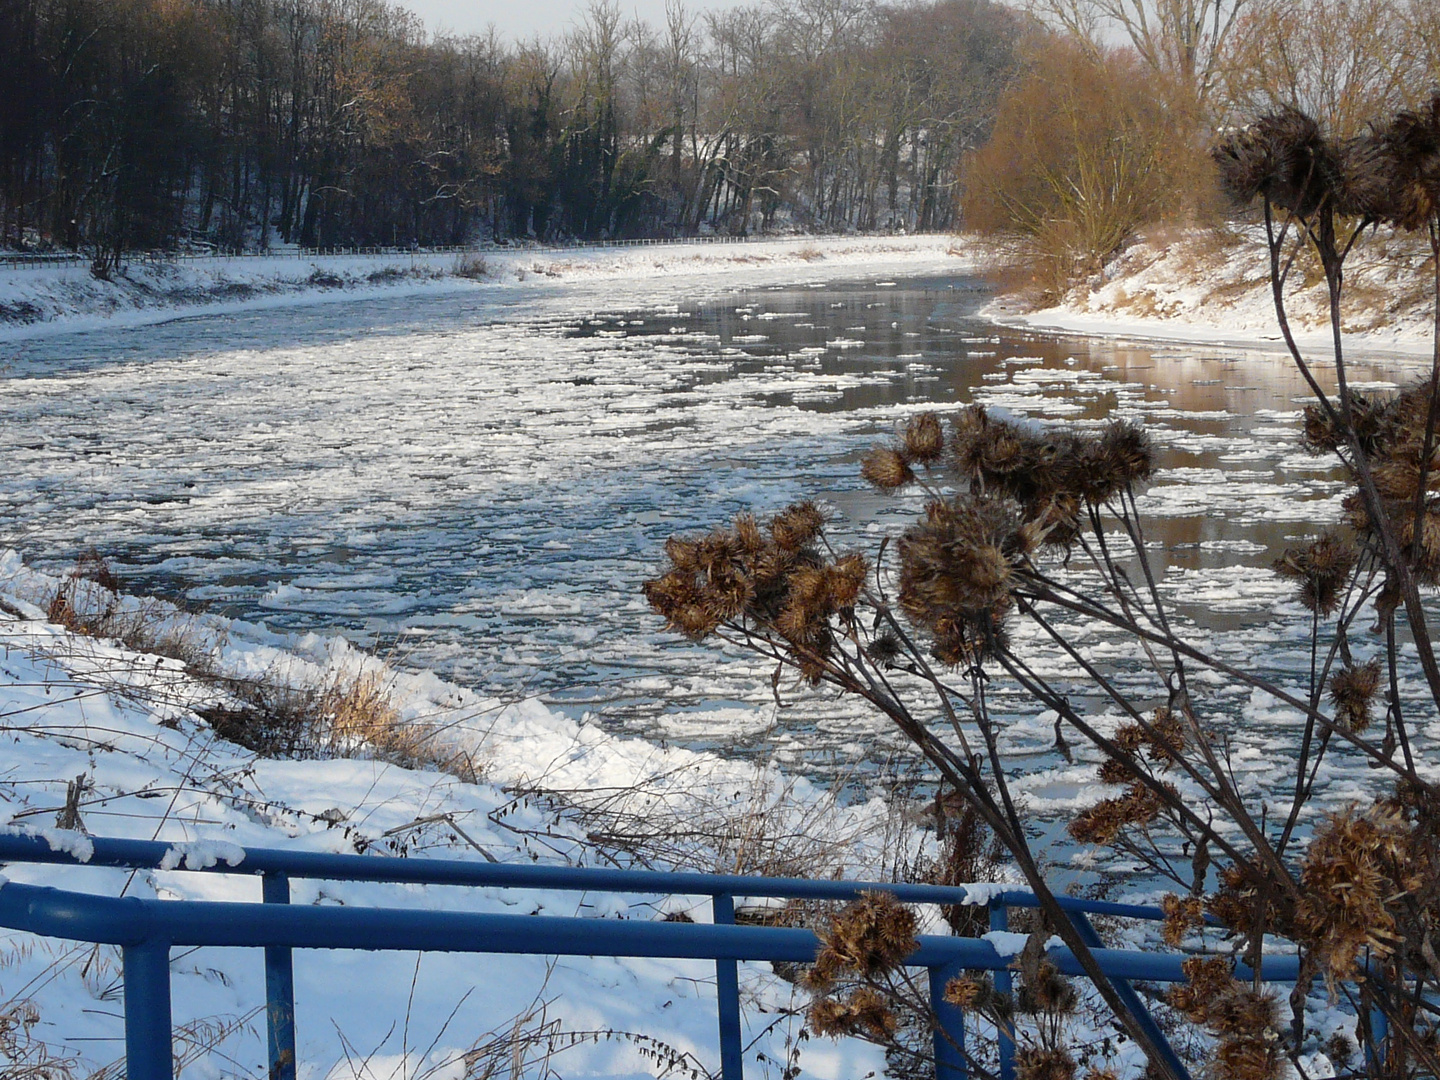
1214,288
48,299
123,726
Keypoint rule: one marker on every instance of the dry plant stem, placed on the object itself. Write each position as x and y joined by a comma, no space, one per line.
1045,593
1107,568
1434,408
1277,293
1399,1023
928,674
1395,706
1023,675
1042,689
1324,241
1304,784
1225,792
966,779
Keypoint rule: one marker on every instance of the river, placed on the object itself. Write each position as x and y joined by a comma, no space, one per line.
479,486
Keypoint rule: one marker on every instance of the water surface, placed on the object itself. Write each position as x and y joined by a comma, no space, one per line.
481,486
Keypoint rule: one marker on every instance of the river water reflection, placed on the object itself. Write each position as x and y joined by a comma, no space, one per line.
480,488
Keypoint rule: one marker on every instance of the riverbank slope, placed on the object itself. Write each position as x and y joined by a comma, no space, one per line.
40,300
1213,287
120,741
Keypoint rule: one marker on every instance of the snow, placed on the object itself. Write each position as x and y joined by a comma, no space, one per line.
72,843
1207,287
202,855
1007,942
60,298
81,706
980,894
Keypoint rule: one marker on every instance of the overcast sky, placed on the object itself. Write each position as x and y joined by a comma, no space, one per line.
520,20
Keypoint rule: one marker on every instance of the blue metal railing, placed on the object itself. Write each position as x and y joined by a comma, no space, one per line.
146,930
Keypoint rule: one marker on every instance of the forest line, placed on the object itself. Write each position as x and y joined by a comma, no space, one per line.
133,125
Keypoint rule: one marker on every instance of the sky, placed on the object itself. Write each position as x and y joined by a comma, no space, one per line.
520,20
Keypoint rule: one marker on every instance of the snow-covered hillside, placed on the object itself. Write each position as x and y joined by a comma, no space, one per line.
1209,286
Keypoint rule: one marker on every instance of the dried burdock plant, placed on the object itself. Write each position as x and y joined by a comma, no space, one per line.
1352,691
1322,569
1284,158
868,938
887,468
1244,1019
858,984
1358,870
1183,916
1413,142
1025,532
1026,536
863,1011
1044,1063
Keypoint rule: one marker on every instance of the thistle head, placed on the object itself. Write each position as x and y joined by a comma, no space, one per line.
956,575
1352,691
1282,156
797,526
924,440
886,469
1322,569
1413,142
869,937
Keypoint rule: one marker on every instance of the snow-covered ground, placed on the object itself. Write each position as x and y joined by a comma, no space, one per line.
77,707
59,298
1214,288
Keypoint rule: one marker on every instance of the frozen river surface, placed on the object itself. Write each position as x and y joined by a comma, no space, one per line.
479,483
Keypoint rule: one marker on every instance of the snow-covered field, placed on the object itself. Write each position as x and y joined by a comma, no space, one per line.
1214,288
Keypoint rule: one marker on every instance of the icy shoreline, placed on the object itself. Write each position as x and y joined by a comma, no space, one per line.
1210,289
40,301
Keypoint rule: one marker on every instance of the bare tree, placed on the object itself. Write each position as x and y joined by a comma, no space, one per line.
1183,40
1341,61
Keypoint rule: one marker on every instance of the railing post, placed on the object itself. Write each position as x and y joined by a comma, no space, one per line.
279,989
949,1027
727,988
1005,1041
147,1012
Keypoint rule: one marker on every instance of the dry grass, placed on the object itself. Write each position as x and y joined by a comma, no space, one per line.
276,714
346,715
88,602
23,1056
472,266
770,829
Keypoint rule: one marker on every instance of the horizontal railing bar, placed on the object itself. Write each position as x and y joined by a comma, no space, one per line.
130,921
151,854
